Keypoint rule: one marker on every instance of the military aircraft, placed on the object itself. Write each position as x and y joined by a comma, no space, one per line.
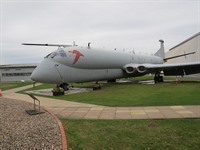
72,63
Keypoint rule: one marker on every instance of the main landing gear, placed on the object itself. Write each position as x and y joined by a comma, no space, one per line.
97,86
158,78
64,86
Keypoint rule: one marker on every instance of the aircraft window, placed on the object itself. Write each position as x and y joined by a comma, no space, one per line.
53,55
47,55
62,53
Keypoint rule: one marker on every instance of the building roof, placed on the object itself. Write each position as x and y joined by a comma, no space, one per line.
18,66
185,41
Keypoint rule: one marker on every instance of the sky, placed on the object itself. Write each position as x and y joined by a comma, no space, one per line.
121,24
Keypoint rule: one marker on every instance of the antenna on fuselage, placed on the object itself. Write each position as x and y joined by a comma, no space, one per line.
133,51
89,45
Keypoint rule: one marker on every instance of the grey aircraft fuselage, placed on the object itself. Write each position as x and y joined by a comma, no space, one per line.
84,64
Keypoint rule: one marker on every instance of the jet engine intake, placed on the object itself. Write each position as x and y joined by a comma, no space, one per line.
133,68
130,68
141,69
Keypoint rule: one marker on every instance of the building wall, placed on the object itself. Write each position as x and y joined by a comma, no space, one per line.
9,74
193,45
190,45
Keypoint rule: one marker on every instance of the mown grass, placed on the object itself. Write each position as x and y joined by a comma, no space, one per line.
130,94
134,94
11,85
132,134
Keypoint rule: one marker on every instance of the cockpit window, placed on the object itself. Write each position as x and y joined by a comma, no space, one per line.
62,53
53,55
47,55
59,53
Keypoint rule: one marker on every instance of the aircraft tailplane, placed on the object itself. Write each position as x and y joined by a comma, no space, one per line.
161,52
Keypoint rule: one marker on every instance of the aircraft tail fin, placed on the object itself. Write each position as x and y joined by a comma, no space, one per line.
161,52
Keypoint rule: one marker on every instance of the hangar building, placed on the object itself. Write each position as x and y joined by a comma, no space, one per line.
191,44
16,72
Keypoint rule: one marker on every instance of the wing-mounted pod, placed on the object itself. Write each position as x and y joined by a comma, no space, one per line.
133,68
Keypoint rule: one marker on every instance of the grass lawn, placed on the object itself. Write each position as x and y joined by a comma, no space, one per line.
132,134
130,94
11,85
134,94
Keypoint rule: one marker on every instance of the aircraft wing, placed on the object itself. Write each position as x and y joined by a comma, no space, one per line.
175,69
168,69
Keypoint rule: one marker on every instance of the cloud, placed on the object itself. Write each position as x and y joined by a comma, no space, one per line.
113,24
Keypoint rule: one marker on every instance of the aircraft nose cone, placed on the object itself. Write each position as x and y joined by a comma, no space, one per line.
46,72
36,75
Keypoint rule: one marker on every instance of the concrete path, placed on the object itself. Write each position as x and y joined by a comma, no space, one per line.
19,89
74,110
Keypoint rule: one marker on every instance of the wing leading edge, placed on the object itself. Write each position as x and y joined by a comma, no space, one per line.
175,69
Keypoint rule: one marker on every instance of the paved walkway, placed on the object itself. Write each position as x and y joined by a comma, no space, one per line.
74,110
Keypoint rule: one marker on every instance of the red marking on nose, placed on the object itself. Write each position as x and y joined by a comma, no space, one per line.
78,55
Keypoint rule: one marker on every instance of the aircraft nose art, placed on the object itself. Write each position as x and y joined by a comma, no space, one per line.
46,73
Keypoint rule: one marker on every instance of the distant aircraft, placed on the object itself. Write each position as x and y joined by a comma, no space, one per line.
72,63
